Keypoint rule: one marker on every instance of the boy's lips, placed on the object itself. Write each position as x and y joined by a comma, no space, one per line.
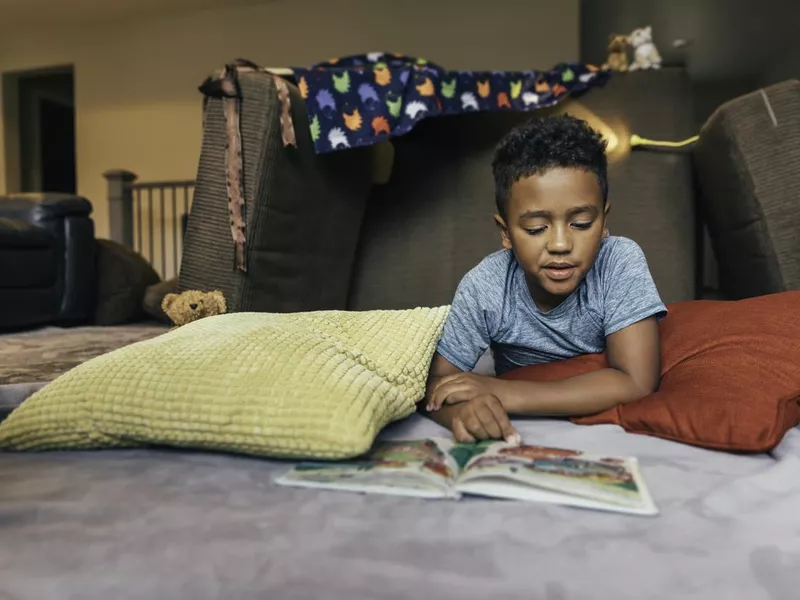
559,271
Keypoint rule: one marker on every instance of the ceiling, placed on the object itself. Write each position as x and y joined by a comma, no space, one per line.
25,14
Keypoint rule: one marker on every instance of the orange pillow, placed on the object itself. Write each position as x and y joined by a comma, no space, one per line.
730,375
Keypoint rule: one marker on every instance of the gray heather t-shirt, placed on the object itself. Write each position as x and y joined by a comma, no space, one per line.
493,308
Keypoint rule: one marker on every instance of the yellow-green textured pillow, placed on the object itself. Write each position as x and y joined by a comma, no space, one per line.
301,385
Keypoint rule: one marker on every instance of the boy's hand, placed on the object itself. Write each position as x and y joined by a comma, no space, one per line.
483,418
461,387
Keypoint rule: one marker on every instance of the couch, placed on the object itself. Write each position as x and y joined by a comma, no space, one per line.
47,258
170,523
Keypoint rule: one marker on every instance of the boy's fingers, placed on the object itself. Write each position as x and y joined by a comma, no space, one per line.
508,433
490,421
436,397
475,428
444,381
460,432
449,394
459,395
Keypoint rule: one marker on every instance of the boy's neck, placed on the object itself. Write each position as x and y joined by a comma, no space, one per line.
544,302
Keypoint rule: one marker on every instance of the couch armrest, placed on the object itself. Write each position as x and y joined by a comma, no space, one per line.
63,205
67,218
44,208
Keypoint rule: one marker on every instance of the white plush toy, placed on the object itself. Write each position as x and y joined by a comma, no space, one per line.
645,54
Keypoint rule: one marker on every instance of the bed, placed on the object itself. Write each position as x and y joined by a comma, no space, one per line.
162,523
176,524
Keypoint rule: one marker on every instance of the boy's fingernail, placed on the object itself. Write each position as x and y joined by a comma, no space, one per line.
514,439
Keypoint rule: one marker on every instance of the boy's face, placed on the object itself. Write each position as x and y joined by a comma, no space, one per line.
554,224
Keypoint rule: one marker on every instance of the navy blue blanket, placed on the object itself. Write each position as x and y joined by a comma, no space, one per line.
361,100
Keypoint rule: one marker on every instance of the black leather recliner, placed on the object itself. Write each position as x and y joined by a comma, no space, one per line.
47,260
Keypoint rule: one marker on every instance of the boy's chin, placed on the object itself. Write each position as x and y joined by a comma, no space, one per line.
560,292
556,293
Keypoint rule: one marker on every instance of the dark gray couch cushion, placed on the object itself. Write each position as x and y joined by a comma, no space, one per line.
304,211
748,169
433,221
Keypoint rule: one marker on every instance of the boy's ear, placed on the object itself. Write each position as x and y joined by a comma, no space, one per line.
501,225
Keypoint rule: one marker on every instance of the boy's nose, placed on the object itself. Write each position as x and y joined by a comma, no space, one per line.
560,242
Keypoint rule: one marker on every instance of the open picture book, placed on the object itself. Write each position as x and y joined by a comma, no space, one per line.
443,468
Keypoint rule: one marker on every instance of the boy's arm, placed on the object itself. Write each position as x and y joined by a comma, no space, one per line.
634,360
634,371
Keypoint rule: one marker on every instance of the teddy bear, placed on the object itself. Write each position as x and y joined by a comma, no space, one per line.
617,53
192,305
646,55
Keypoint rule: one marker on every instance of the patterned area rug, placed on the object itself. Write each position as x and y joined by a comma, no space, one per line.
30,359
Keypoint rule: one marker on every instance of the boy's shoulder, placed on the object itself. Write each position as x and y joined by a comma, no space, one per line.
615,249
496,261
618,243
487,282
492,269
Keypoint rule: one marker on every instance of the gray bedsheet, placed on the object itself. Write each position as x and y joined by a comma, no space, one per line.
177,525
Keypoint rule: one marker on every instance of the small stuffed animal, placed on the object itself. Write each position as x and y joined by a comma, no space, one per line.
617,53
646,55
191,305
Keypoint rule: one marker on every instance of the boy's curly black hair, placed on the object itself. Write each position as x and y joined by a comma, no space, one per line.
542,144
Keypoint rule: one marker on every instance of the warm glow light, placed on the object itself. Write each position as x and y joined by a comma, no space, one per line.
614,130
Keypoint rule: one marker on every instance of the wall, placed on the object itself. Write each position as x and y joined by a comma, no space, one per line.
137,105
783,64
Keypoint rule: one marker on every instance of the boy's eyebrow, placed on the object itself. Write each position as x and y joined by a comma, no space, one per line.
543,214
586,208
534,214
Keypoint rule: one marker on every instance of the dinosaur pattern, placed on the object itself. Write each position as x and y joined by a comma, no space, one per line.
341,82
380,125
368,96
415,109
362,99
449,88
353,121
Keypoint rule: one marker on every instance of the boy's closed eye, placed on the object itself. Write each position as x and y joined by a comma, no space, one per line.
581,226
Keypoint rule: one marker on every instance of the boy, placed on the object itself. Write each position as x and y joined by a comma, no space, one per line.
561,287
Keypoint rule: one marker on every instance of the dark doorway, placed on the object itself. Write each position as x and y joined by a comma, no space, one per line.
47,130
57,137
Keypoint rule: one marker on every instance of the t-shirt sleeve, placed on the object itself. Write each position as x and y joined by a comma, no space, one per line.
630,294
466,334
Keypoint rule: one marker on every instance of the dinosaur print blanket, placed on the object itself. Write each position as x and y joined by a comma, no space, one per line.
361,100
